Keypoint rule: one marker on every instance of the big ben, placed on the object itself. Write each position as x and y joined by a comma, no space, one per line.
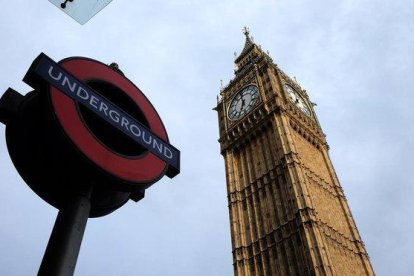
288,212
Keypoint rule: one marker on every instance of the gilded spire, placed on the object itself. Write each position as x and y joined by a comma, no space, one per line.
248,44
246,31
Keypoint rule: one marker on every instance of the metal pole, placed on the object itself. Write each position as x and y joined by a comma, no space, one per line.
65,241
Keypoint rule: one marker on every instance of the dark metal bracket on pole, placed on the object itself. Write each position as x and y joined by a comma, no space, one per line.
9,105
65,241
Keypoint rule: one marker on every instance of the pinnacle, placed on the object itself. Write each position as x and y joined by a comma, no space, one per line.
248,44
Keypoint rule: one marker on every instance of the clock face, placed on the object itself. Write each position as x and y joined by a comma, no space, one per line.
297,100
243,102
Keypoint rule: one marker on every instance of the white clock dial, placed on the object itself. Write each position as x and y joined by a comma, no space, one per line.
243,102
295,98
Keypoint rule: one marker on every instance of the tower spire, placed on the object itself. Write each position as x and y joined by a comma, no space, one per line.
249,39
248,44
246,31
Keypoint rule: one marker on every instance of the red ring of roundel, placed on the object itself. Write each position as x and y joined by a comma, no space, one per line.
147,169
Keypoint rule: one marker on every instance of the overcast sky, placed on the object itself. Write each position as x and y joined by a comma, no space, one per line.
354,58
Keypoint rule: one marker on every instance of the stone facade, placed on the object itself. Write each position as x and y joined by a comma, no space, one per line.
288,213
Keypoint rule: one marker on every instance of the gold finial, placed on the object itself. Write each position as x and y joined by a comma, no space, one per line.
246,31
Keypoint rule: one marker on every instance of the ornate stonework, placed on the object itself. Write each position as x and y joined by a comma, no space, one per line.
288,212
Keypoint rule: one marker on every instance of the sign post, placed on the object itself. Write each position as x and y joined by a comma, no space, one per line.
65,241
86,140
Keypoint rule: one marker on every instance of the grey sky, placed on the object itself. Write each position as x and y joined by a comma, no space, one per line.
353,58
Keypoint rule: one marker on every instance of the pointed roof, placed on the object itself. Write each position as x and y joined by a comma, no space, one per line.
247,45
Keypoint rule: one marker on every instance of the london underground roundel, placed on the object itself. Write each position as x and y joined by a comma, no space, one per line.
101,111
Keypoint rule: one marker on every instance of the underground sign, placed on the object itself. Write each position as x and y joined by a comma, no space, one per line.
69,90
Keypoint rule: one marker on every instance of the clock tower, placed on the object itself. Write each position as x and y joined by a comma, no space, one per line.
288,212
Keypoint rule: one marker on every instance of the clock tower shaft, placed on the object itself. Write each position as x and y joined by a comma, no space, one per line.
288,212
